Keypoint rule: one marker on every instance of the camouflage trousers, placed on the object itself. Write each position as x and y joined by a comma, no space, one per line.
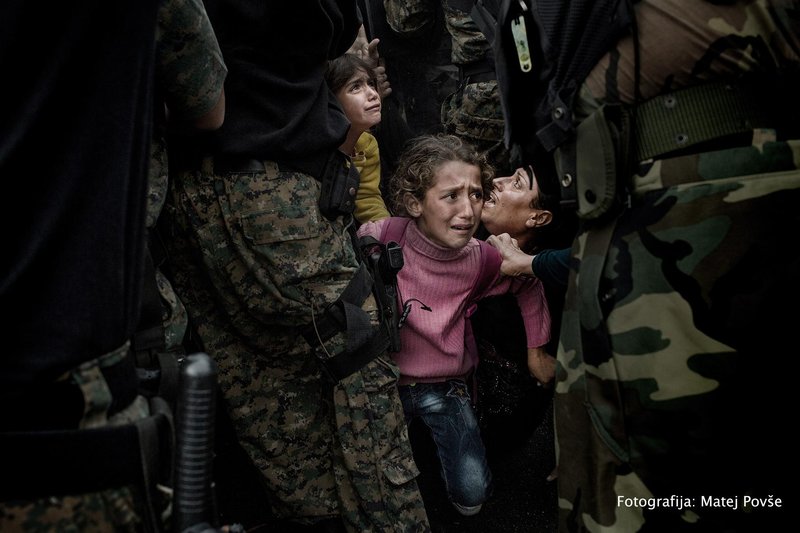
110,510
671,387
473,113
254,261
408,17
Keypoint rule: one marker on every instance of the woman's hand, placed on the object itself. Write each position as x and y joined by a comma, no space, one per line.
515,261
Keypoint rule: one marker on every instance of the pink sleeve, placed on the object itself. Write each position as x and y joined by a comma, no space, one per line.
535,312
532,302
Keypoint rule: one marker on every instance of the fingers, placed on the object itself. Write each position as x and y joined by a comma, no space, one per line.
515,261
503,240
499,241
368,51
384,87
372,50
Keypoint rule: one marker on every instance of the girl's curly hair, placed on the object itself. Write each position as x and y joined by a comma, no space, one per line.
421,159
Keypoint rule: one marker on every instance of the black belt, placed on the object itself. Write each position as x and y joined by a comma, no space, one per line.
60,405
77,461
342,365
89,460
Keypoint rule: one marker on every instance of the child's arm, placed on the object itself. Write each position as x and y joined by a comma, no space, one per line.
536,315
541,365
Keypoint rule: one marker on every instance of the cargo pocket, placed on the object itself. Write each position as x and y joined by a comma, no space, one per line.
479,115
399,467
279,234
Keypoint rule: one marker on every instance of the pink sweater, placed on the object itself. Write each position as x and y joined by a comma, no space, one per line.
433,342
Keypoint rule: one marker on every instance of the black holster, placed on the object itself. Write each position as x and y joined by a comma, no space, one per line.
377,274
385,261
339,183
346,315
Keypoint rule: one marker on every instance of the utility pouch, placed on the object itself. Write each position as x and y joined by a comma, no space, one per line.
339,184
588,165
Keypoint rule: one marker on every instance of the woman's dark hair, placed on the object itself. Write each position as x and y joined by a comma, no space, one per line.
421,159
344,67
560,232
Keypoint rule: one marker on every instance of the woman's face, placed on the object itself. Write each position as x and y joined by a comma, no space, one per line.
508,207
360,100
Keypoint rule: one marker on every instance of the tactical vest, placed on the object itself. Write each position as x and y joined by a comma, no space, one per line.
543,50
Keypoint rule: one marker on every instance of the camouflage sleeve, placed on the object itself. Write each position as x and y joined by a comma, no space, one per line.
190,66
469,43
685,43
410,18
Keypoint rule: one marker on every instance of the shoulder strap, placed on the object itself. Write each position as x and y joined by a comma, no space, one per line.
395,230
564,42
580,32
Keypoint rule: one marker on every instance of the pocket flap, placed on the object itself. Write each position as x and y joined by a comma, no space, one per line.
399,466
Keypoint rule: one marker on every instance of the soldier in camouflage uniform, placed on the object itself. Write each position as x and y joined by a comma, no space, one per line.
473,110
257,263
113,509
190,73
72,255
669,386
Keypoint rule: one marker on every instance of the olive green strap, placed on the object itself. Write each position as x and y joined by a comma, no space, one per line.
684,118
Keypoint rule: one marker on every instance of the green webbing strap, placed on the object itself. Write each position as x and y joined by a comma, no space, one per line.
684,118
593,331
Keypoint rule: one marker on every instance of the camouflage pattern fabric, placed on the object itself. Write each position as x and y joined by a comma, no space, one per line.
255,261
473,110
190,73
473,113
410,18
670,390
110,510
174,319
469,43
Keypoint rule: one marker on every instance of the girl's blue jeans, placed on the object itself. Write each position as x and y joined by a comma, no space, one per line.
446,409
